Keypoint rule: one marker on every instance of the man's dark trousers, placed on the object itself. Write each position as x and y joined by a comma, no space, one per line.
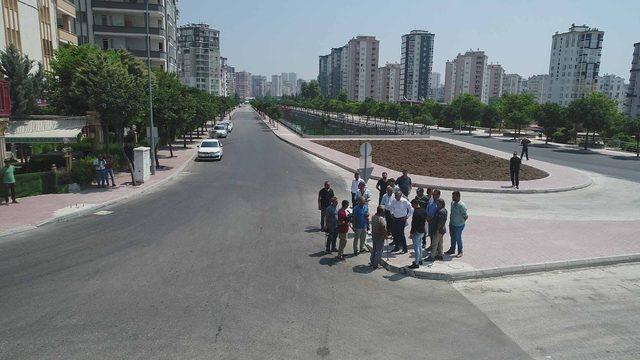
515,178
525,151
332,235
398,233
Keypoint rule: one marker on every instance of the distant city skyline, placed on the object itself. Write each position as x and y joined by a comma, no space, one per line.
288,36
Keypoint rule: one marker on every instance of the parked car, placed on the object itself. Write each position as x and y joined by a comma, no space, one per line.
210,149
220,131
229,125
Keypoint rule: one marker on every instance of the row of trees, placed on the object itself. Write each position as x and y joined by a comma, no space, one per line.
592,114
114,84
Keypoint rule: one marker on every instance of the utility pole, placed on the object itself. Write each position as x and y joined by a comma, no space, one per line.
151,134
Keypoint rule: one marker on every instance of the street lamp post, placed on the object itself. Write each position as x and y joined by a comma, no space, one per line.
151,134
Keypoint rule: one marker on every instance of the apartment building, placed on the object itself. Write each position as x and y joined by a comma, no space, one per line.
512,84
243,84
289,83
574,63
276,86
496,81
614,87
388,83
449,81
633,90
224,91
258,86
436,83
230,76
467,74
111,24
538,86
324,73
417,62
199,57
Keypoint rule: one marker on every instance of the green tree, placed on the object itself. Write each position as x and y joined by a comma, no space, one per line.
551,117
595,112
490,118
632,128
468,110
25,85
342,97
517,110
311,90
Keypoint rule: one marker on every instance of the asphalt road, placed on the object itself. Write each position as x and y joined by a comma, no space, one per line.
224,263
622,167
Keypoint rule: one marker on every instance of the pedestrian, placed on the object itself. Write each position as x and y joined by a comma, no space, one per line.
400,210
432,209
8,174
378,235
109,174
457,221
381,186
440,221
360,225
343,228
99,165
363,192
324,199
421,198
354,187
417,232
514,170
331,225
386,201
392,183
404,182
525,147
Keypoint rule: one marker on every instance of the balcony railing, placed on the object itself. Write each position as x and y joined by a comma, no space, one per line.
128,30
125,5
153,54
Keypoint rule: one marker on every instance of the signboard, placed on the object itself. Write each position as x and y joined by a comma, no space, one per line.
155,134
366,165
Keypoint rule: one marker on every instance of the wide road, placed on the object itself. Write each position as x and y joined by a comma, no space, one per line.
225,263
622,167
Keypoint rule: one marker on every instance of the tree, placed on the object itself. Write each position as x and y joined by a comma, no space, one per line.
25,86
632,127
311,90
490,118
594,113
517,110
468,110
551,117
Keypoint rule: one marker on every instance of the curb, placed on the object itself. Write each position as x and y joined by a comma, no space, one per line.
585,184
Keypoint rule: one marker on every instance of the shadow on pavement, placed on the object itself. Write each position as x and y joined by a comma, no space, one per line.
363,269
577,151
318,254
620,157
329,261
312,230
395,277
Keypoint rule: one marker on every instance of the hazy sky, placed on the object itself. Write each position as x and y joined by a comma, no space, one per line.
272,36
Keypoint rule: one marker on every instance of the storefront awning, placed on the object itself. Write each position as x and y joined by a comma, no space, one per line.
65,130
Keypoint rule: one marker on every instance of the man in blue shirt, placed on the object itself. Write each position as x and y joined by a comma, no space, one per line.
432,209
360,225
456,223
331,224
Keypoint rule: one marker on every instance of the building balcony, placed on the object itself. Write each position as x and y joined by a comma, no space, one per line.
66,37
125,6
66,7
143,54
128,30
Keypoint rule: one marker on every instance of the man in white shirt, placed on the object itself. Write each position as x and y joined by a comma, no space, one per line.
354,187
400,209
386,200
363,192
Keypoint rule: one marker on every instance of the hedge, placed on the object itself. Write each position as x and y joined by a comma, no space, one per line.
32,184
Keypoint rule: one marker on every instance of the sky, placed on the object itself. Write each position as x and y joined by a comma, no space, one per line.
268,37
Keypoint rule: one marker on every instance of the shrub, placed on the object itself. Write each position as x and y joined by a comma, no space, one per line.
82,171
561,135
43,162
32,184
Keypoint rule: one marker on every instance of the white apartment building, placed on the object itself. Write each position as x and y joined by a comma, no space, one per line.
633,91
111,24
496,81
436,83
276,86
449,81
362,66
230,79
512,84
258,85
614,87
243,84
37,27
199,57
416,64
538,86
467,74
289,83
224,91
574,63
388,86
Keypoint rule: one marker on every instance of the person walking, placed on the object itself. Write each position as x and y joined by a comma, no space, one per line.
343,228
324,199
363,192
378,235
432,210
360,225
417,232
514,170
525,147
108,168
8,175
440,221
381,186
404,182
331,225
400,210
354,187
99,165
457,221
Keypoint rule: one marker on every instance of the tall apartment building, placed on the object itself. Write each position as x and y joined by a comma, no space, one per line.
332,75
496,81
111,24
37,27
199,57
633,91
258,86
243,84
223,77
436,83
362,66
324,73
538,86
574,63
276,86
388,83
289,83
512,84
614,87
467,74
231,79
417,61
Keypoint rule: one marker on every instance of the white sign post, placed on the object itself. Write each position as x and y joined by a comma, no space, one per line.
366,165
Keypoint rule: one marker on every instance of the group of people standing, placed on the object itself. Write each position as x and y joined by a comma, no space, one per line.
103,167
428,215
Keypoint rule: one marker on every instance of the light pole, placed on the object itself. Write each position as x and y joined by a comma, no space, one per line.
151,134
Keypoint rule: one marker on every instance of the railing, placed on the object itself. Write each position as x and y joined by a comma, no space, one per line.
128,29
125,5
153,54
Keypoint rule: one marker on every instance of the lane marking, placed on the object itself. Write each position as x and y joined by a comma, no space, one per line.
103,212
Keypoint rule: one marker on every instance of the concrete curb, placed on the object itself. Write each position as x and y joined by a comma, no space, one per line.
583,185
510,270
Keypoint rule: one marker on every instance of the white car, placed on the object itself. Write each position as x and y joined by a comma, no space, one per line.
220,131
210,149
229,125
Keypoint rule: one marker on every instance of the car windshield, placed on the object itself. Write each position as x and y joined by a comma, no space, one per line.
210,144
219,127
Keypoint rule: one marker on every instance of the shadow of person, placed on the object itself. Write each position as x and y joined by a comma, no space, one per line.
395,277
363,269
329,261
318,254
